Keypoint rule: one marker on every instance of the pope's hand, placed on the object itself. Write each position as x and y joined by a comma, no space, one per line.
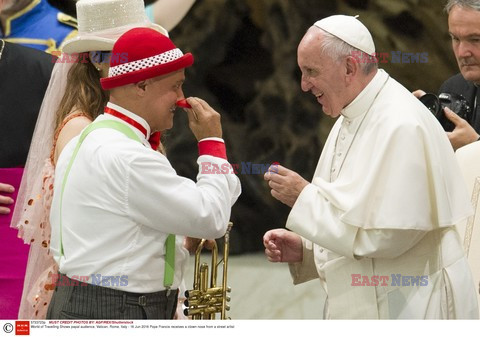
283,246
286,184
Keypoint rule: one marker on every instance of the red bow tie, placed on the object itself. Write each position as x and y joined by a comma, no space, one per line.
154,138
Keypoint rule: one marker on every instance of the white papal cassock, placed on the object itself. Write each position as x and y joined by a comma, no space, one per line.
469,159
380,213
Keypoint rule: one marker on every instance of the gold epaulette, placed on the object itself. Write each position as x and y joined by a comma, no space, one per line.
50,44
67,19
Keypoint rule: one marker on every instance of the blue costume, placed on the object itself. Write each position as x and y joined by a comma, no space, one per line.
39,25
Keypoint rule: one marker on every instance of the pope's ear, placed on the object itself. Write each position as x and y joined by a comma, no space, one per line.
352,66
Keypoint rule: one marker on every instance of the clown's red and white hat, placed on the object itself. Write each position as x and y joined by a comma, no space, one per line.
143,53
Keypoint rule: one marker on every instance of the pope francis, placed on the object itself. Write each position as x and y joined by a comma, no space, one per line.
376,224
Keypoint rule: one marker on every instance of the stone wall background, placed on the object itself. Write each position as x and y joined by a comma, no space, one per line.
245,67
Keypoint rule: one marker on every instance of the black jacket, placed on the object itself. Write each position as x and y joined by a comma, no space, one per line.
458,85
24,77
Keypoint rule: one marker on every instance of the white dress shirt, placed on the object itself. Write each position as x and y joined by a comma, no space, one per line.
121,201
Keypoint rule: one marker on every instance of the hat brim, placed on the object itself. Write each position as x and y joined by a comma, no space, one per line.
144,74
85,43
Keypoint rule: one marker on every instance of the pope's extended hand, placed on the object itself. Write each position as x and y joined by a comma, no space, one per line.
283,246
286,184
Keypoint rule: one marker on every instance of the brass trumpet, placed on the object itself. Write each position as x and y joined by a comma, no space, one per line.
203,302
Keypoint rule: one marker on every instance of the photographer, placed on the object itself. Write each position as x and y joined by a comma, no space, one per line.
464,28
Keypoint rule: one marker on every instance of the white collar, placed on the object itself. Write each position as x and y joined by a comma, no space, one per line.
131,115
365,98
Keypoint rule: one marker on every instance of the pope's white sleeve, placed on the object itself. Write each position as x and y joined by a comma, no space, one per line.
385,243
316,219
159,198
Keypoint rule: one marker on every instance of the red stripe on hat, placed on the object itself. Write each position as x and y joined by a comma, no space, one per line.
212,148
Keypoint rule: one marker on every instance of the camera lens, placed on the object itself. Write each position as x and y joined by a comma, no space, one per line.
431,102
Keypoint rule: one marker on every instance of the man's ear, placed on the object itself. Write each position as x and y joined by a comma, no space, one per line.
352,67
141,87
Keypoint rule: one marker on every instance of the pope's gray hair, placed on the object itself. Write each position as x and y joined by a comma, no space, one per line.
338,49
468,4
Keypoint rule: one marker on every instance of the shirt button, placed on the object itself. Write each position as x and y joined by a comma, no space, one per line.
321,250
339,154
342,137
333,169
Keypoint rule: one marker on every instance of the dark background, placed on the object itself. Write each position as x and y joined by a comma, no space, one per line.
245,67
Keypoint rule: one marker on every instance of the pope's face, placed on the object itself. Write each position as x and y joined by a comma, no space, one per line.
321,75
464,28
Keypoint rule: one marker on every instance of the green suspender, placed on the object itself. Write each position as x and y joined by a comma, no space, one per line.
127,131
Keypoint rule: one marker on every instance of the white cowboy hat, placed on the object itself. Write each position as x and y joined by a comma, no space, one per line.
102,22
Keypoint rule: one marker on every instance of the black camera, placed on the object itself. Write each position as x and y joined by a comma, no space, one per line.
456,103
